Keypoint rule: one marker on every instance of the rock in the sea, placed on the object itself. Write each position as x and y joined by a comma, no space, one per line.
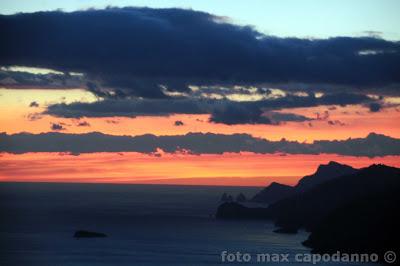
224,197
241,198
88,234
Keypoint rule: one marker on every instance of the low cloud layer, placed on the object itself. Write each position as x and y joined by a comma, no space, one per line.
196,143
20,79
143,52
34,104
220,110
57,126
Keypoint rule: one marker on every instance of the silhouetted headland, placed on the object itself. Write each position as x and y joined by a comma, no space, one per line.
325,172
347,209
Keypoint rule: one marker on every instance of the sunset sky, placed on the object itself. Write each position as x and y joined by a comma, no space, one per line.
196,94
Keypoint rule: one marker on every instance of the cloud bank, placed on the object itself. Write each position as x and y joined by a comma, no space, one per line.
221,110
195,143
143,51
155,62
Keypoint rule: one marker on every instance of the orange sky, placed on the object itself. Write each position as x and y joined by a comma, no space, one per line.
246,169
226,169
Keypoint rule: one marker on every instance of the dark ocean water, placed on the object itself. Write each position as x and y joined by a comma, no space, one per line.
146,225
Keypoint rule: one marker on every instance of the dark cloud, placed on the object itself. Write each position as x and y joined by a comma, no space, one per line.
178,123
143,52
111,121
57,126
221,111
277,117
34,116
336,123
322,116
239,114
196,143
83,124
264,91
26,80
375,107
129,108
34,104
252,114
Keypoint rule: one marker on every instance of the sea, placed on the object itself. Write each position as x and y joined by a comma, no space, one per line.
144,224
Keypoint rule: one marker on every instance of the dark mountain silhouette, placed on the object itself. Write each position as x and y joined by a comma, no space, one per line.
371,225
275,191
351,213
325,172
309,208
